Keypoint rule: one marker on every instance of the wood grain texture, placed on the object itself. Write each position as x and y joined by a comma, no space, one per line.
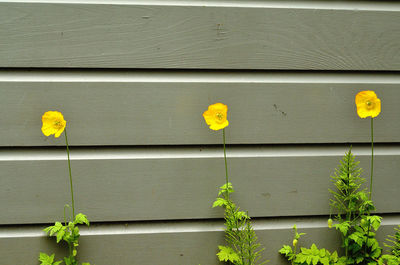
171,184
136,108
183,35
122,244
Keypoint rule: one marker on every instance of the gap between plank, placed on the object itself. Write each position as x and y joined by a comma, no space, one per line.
328,5
189,226
187,152
181,76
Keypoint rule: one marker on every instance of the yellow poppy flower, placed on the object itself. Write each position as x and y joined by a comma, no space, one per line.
368,104
215,116
53,123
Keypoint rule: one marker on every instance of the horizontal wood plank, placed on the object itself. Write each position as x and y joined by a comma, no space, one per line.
200,34
171,243
165,108
182,183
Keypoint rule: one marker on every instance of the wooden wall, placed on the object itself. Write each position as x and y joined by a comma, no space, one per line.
133,78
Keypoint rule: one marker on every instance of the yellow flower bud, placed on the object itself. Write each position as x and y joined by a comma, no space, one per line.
330,223
294,242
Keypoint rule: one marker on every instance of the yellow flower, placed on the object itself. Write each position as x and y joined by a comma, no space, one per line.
294,242
53,123
368,104
215,116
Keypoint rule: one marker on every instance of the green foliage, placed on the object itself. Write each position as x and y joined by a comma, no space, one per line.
48,260
242,247
68,233
394,257
311,256
395,243
353,208
227,254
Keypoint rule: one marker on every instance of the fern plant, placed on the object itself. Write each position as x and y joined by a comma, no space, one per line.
353,208
242,247
394,257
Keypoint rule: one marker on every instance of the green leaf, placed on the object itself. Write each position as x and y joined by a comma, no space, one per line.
375,221
241,215
60,235
309,259
315,260
286,250
314,250
219,202
322,253
343,227
300,258
227,254
224,188
81,219
324,260
357,238
47,260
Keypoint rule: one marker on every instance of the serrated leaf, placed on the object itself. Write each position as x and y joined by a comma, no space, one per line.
375,221
343,227
227,254
286,250
219,202
60,235
46,259
300,258
309,259
81,219
322,252
324,261
315,260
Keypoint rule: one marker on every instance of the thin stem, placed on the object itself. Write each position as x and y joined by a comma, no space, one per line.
70,176
226,166
372,157
349,198
372,173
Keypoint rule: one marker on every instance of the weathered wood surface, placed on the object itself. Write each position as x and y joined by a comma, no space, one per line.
165,108
182,183
355,35
171,243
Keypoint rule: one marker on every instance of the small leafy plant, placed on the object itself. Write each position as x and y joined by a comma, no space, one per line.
242,247
54,123
308,256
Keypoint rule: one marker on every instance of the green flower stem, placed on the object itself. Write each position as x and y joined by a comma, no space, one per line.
226,166
372,157
372,174
70,176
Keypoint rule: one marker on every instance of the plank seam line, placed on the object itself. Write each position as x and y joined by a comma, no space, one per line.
190,152
338,5
182,226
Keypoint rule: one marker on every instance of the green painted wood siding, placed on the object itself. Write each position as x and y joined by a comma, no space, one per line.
132,79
